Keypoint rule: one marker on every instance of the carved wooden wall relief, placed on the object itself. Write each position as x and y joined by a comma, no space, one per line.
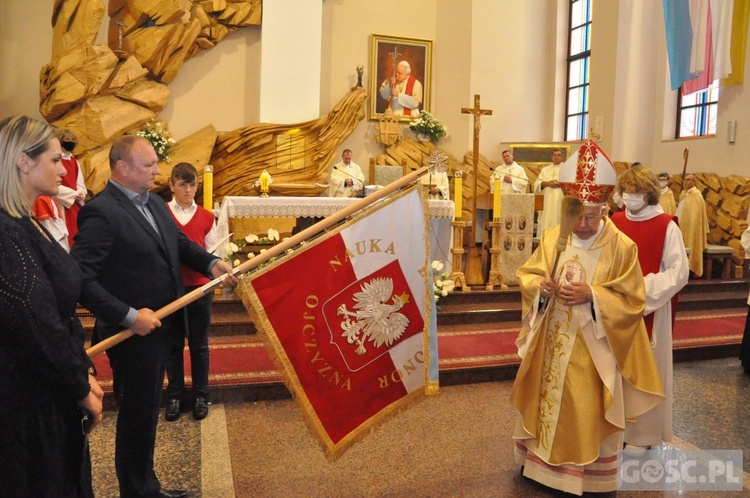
102,92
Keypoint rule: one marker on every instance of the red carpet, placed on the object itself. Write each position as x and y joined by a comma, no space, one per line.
246,361
708,328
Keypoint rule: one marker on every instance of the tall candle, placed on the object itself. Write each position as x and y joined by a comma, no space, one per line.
208,187
458,195
265,181
496,200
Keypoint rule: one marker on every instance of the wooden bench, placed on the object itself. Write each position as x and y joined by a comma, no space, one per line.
717,253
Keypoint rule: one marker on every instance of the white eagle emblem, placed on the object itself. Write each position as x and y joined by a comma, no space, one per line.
373,316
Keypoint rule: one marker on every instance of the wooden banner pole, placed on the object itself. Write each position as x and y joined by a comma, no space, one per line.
276,250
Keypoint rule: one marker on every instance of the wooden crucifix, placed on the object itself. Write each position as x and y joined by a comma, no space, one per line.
474,265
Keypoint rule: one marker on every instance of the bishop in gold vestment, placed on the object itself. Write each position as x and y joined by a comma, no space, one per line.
587,364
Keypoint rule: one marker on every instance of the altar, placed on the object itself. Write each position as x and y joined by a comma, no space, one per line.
440,212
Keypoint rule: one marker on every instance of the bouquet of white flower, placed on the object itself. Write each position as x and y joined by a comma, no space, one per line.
426,124
442,285
232,249
235,249
160,138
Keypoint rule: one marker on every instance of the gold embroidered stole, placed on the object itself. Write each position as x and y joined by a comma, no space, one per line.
560,327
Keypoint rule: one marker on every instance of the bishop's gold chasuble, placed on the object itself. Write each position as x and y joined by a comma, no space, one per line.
585,368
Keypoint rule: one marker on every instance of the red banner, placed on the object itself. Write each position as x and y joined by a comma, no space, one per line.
346,319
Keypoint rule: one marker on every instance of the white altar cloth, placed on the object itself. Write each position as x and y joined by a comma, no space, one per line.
441,215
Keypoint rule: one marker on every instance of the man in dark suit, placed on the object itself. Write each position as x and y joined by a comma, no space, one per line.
129,251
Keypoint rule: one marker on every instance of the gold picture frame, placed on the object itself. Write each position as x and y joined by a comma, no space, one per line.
536,153
417,52
534,156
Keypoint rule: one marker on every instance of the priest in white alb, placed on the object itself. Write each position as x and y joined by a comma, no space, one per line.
436,184
548,184
346,178
691,212
586,365
666,197
512,176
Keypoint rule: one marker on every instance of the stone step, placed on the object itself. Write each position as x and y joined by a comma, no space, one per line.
511,313
697,294
269,386
708,287
229,317
713,301
714,294
481,299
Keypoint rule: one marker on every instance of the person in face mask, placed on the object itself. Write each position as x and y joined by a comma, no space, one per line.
664,263
666,197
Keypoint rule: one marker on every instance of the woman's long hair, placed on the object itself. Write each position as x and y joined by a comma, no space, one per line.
19,135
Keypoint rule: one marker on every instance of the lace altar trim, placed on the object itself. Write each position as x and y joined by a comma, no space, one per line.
316,207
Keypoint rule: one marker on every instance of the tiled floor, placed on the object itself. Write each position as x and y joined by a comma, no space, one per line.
456,444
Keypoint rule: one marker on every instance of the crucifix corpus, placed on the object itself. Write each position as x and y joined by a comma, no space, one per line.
474,274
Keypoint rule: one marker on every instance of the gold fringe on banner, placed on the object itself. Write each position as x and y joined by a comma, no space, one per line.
277,352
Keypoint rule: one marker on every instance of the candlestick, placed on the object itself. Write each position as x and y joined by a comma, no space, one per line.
496,201
458,195
265,183
208,187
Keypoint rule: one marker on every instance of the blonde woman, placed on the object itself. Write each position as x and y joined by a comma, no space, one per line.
45,382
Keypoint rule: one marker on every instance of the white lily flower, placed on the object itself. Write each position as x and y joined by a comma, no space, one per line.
437,265
231,248
273,234
250,238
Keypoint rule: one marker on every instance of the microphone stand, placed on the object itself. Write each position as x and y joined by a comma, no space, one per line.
358,193
492,171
